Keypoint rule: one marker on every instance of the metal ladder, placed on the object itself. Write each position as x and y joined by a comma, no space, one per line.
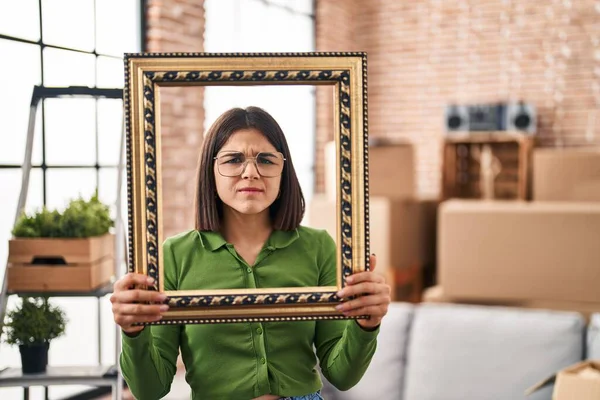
40,93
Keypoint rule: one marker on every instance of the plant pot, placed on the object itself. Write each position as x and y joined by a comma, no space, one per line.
34,358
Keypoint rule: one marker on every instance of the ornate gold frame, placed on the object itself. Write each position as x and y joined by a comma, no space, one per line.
146,73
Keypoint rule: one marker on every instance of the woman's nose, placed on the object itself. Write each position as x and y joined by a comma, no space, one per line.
250,170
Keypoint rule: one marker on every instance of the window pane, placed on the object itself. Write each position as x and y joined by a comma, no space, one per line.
110,122
15,96
69,23
110,72
70,131
300,6
252,39
10,182
68,68
20,18
107,191
278,20
118,27
220,33
64,185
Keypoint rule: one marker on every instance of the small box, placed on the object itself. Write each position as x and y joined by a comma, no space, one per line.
60,264
391,170
566,174
580,381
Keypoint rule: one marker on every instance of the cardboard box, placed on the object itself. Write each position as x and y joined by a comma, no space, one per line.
566,174
580,381
436,294
391,170
506,250
402,231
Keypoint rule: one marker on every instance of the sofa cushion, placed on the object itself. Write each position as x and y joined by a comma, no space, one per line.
459,352
593,338
383,380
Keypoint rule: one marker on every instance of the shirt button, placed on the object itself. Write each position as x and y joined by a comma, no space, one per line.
249,270
259,331
262,360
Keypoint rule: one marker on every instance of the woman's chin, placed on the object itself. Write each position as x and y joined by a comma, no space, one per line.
250,208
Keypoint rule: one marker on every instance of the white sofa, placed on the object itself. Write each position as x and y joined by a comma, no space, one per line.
457,352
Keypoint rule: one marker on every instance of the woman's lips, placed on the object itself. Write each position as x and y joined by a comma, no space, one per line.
250,190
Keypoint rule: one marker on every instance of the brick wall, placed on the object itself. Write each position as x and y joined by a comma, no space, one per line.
425,54
178,27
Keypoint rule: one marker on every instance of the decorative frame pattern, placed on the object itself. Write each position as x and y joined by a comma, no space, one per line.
146,73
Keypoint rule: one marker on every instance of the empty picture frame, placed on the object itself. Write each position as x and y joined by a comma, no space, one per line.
146,74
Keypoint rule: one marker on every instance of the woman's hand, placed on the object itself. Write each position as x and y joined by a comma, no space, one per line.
374,299
127,304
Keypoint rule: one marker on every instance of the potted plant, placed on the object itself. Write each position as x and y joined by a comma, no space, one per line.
68,251
31,326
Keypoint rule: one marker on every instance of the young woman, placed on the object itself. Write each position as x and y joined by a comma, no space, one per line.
248,235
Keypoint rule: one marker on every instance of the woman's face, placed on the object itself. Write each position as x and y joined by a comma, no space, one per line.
247,192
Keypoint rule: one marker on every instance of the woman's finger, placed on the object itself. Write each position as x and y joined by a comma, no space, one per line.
132,279
364,277
377,311
372,262
364,301
363,288
137,295
139,309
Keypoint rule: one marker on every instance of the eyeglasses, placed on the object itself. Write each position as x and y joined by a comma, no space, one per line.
233,163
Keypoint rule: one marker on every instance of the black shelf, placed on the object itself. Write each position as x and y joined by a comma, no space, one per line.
69,375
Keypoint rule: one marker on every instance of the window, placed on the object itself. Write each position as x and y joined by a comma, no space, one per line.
77,141
267,26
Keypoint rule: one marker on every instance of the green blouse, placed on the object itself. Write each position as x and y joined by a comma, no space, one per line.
246,360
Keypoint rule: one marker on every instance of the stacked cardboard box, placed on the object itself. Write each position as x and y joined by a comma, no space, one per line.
541,254
566,174
402,225
538,254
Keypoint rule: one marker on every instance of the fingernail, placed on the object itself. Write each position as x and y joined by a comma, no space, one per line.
150,280
340,293
162,297
349,279
339,307
164,307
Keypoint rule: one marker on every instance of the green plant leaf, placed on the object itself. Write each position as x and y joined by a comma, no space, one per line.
34,321
82,218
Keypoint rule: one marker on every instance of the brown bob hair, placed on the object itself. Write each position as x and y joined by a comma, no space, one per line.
286,211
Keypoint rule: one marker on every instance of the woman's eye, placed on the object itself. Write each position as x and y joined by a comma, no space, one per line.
233,160
264,160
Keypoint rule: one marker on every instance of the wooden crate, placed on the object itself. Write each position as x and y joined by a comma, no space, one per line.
57,265
461,170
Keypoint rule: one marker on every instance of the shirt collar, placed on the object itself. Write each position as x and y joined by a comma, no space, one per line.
278,240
